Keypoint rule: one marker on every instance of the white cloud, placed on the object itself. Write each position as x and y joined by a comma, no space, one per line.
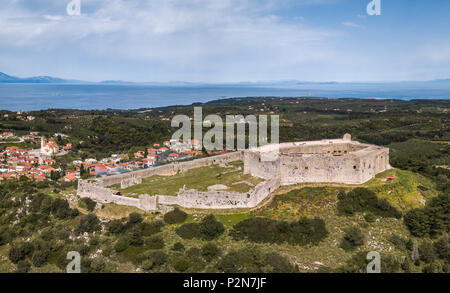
350,24
174,33
205,40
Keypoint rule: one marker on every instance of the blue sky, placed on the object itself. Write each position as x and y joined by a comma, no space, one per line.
226,40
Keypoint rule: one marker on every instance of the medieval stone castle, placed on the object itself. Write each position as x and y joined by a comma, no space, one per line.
325,161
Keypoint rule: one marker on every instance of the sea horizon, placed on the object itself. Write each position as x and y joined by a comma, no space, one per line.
34,97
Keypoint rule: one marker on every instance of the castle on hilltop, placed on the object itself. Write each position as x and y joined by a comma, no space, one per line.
335,160
326,161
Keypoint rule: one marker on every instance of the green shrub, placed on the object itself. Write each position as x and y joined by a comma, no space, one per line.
135,237
121,245
178,246
16,254
263,230
5,235
147,265
176,216
406,265
89,223
433,268
253,260
426,252
370,218
155,242
19,251
23,267
115,227
390,264
181,264
135,218
189,231
210,228
353,238
365,200
356,264
149,229
194,252
432,220
279,264
398,242
442,248
88,204
210,251
39,258
97,265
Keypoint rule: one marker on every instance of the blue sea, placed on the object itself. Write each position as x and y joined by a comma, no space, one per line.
28,97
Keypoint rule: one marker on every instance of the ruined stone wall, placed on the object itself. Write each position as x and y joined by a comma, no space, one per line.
128,182
221,199
172,169
263,190
95,191
186,198
213,199
167,200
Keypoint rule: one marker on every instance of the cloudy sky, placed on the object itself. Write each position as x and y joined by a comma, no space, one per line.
226,40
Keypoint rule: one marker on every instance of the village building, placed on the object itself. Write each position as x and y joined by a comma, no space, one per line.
49,148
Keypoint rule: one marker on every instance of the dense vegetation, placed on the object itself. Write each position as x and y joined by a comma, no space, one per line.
209,228
175,217
261,230
364,200
432,220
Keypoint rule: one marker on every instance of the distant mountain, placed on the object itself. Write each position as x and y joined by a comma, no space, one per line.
5,78
321,83
43,79
283,83
115,82
440,80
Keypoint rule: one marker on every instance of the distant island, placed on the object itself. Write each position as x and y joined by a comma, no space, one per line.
5,78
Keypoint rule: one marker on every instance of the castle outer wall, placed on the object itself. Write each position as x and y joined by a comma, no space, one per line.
326,161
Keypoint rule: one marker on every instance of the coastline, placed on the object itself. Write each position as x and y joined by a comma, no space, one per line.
35,97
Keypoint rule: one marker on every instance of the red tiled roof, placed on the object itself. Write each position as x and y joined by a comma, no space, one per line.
70,177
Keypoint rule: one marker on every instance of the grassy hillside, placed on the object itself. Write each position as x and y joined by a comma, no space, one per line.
175,253
406,191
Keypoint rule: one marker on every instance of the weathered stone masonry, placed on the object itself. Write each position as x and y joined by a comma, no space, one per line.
337,161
